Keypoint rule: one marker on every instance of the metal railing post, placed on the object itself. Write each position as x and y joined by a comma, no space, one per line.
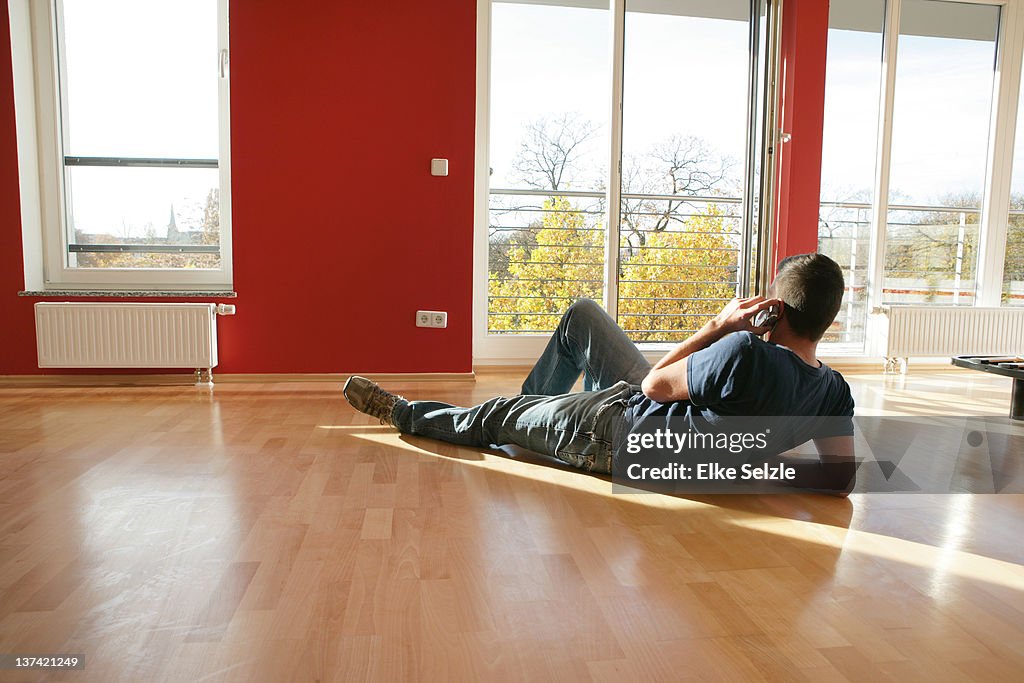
853,278
958,269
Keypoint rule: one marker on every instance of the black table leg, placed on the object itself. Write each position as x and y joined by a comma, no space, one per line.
1017,400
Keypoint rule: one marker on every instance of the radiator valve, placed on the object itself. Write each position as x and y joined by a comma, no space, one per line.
225,309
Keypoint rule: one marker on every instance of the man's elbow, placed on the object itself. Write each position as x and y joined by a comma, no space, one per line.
658,389
650,387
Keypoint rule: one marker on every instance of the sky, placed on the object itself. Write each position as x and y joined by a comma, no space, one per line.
141,81
687,76
940,118
682,77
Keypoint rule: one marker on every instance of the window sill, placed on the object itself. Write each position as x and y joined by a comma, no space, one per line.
131,293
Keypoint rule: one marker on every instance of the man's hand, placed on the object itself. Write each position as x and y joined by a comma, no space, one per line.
738,314
667,380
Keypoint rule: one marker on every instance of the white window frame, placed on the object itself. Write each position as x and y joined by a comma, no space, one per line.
999,162
519,349
41,169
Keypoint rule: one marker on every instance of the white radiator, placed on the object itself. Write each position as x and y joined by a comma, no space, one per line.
953,331
127,335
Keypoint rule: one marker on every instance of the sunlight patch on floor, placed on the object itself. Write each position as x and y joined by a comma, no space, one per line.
943,561
541,472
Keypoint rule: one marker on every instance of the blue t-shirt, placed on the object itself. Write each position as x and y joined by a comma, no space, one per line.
740,376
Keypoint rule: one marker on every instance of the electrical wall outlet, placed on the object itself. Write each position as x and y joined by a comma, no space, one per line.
431,319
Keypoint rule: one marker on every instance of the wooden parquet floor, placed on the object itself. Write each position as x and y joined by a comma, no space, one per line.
267,532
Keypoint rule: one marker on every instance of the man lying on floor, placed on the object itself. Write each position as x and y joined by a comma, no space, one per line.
725,369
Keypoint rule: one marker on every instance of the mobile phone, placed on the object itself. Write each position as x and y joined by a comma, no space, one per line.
767,318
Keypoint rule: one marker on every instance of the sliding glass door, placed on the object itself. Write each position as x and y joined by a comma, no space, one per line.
550,103
648,206
916,201
940,128
853,72
684,131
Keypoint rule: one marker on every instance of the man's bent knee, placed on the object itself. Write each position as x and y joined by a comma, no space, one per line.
587,313
584,309
585,305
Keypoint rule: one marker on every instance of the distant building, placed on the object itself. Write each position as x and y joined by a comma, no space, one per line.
173,236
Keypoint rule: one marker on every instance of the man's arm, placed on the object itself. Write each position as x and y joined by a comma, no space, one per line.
667,379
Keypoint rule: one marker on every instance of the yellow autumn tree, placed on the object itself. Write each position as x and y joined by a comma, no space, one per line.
678,279
668,286
565,264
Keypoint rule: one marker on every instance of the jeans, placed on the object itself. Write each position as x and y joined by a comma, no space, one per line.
577,428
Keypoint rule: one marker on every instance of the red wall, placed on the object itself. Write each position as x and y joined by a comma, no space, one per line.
340,232
803,51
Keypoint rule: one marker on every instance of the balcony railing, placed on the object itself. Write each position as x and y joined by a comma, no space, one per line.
930,257
679,259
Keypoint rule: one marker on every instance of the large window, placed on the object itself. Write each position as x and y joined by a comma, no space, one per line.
852,77
642,206
133,143
911,182
683,154
549,126
942,108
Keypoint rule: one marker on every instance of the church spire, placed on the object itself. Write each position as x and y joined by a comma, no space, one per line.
172,227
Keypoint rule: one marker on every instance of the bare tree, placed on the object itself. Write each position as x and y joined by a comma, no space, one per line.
680,166
690,165
548,155
836,220
548,159
211,217
924,244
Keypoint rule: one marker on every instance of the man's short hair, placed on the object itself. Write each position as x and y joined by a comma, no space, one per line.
811,286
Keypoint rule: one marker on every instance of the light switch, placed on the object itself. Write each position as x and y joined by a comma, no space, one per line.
439,167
